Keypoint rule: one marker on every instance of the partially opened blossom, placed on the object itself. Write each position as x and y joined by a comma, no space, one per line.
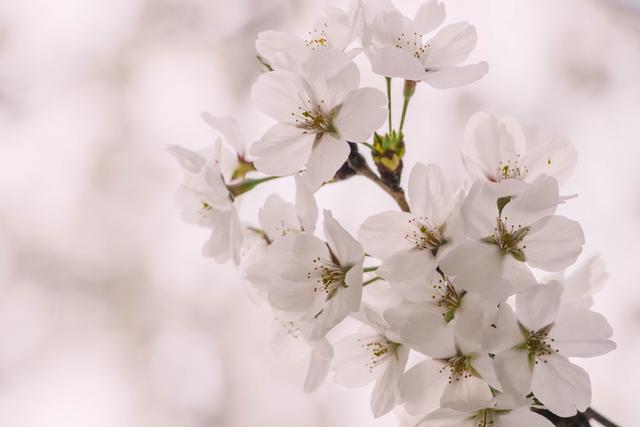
497,150
579,287
459,372
499,412
233,162
286,51
372,355
321,281
204,200
397,46
411,243
537,344
508,234
318,110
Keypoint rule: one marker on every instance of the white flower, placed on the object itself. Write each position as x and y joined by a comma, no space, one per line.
318,110
278,219
537,346
287,344
460,371
394,44
496,150
584,282
411,243
372,355
505,238
496,413
205,201
232,152
285,51
321,281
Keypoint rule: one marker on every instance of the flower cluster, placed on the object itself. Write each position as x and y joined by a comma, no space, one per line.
470,318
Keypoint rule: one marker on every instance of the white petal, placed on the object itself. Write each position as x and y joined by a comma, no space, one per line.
538,306
228,128
445,417
451,45
429,16
558,158
346,249
282,150
289,295
447,78
331,74
514,371
421,387
191,161
524,417
362,112
504,332
277,217
487,142
393,62
553,243
581,333
427,333
306,206
464,392
352,360
385,393
518,274
281,50
537,201
328,155
321,356
382,234
429,195
561,386
480,210
583,283
278,94
408,264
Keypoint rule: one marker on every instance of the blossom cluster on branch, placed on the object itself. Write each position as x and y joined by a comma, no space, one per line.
473,321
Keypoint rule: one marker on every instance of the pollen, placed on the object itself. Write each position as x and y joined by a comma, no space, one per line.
426,234
458,368
378,348
329,277
512,169
509,238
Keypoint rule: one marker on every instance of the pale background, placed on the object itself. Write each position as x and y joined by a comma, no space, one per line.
110,317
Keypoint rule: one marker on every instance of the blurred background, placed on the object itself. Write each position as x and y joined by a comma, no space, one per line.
109,315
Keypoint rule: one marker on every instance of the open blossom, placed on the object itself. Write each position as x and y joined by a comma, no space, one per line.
411,243
459,371
396,46
321,281
537,344
318,110
286,51
204,200
502,411
508,233
372,354
497,150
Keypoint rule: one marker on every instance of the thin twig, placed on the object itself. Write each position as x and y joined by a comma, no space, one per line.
595,415
359,165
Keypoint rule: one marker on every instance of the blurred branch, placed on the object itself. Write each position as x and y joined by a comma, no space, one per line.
581,419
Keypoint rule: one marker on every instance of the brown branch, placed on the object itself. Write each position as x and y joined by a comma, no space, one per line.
358,165
581,419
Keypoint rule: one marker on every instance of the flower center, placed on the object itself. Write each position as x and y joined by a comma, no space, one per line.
318,37
511,170
379,349
457,368
538,345
488,418
508,238
315,119
412,43
447,298
426,234
329,276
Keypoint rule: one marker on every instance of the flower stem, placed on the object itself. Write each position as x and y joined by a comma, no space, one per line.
359,165
370,281
248,185
407,93
388,79
370,269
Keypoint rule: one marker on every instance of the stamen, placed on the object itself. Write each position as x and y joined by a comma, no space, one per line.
426,234
508,238
511,170
380,348
329,276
